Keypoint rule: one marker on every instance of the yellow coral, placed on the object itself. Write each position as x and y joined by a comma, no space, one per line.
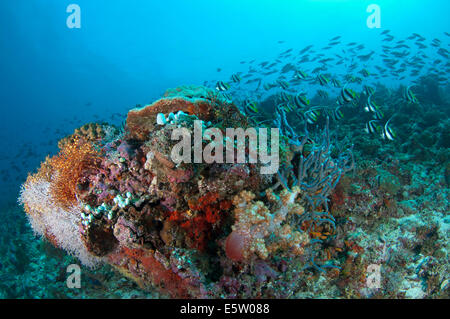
90,132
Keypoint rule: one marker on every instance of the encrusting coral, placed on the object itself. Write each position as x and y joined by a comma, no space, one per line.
90,132
187,228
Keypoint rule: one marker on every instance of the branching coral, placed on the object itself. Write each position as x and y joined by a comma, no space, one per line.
74,161
316,172
313,168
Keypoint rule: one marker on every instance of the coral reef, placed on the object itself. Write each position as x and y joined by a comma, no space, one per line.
181,227
208,230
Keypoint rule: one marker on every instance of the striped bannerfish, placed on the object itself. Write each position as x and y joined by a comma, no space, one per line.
388,132
322,79
250,107
312,116
368,90
301,101
370,106
365,73
287,106
284,97
283,84
409,96
372,127
336,83
347,94
222,86
337,113
300,75
378,115
227,96
236,78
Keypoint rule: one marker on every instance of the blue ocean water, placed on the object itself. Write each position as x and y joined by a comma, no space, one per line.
56,78
129,53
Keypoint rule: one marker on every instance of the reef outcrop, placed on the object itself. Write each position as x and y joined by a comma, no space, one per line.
190,229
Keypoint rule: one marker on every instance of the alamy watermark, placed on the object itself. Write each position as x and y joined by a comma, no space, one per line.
374,19
74,19
234,140
74,278
373,279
